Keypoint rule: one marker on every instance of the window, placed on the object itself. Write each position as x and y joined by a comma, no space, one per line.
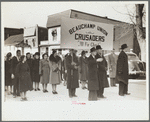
76,15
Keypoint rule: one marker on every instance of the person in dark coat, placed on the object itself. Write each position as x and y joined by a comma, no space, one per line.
65,69
122,71
102,75
60,57
83,69
23,73
112,64
8,80
35,71
72,73
29,62
93,84
15,80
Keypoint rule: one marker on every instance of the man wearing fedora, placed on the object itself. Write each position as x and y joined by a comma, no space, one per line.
93,84
122,71
102,75
72,73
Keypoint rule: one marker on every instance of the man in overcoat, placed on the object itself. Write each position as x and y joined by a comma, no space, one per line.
112,63
14,63
93,84
102,75
122,71
72,73
83,69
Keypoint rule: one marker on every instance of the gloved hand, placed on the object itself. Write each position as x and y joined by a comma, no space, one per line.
99,60
12,76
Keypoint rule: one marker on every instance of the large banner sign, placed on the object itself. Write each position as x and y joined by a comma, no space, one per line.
82,34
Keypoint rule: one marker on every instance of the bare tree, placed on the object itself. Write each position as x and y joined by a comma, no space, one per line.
140,31
138,19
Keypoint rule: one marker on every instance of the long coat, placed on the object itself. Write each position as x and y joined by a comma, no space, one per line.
122,68
44,71
83,69
55,75
112,63
23,73
8,81
65,67
35,71
102,75
30,64
72,73
14,64
93,83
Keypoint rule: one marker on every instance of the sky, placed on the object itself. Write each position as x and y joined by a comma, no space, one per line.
27,14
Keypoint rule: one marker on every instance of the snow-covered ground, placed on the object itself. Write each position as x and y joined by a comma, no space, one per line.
137,88
47,106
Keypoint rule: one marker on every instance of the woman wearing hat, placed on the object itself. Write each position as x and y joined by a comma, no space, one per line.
23,73
35,71
122,71
8,81
44,71
55,67
83,69
29,62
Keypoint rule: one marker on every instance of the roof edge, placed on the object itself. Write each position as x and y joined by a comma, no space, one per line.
98,16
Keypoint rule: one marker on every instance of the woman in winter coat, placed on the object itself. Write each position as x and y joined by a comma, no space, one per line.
29,62
44,71
83,69
55,67
8,81
23,73
35,71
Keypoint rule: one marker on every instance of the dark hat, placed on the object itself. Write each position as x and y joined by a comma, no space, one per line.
9,54
98,47
75,50
37,53
18,51
83,52
123,46
27,53
59,49
92,49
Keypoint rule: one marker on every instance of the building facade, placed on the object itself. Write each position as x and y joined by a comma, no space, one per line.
12,31
123,32
27,41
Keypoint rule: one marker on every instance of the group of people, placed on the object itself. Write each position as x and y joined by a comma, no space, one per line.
25,73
